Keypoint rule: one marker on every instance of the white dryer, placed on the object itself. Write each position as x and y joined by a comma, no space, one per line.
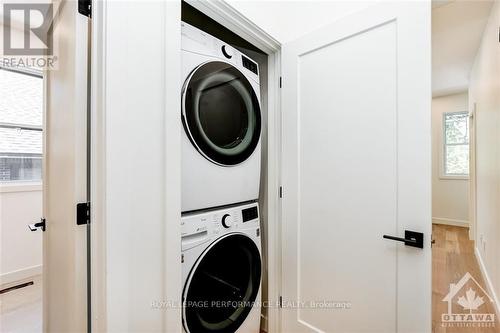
222,123
221,270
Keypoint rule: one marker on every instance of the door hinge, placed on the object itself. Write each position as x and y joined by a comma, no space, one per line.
83,213
280,192
280,82
280,302
85,7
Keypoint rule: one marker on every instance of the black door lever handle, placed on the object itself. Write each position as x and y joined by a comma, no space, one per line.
412,238
35,226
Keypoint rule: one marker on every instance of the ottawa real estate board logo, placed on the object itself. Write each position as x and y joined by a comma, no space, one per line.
467,301
27,39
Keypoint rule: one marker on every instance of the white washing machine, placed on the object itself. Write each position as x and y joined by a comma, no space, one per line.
221,270
222,123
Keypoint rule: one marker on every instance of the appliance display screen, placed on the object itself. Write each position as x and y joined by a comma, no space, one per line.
250,214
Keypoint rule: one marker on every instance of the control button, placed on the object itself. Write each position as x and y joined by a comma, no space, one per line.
249,64
227,221
227,51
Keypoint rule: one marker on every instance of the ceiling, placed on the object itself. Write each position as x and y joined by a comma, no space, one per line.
457,28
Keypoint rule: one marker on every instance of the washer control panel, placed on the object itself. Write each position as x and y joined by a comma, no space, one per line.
199,227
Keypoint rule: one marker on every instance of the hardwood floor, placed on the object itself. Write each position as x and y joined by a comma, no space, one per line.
21,309
452,257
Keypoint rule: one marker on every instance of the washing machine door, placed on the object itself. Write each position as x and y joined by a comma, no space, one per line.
221,113
222,286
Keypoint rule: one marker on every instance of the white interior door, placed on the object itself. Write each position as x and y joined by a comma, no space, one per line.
64,177
356,166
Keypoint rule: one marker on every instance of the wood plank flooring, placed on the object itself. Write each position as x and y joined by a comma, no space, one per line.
452,257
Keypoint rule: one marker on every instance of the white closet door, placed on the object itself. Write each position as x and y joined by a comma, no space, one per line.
356,166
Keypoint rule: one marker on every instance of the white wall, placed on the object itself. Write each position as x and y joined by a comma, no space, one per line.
484,91
287,20
450,197
20,249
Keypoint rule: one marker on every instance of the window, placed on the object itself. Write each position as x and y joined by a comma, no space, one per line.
21,101
456,143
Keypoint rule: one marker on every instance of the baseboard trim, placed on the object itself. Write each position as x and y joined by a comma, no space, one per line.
21,274
486,278
453,222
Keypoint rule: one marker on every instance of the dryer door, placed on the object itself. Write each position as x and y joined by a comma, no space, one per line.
221,113
222,286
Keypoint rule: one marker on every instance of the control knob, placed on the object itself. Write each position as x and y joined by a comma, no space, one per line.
227,221
227,51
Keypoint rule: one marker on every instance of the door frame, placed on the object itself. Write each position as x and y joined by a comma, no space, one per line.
97,242
63,235
472,174
226,15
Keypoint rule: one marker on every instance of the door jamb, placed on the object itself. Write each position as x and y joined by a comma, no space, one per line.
226,15
97,38
472,175
45,142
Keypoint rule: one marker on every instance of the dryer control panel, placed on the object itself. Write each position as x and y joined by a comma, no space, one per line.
200,227
199,42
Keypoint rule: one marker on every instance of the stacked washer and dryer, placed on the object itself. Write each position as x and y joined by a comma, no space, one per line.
221,243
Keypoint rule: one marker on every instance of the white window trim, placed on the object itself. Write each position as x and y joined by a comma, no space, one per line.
20,186
442,157
26,127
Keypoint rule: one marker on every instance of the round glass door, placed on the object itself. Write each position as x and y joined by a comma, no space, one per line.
223,286
221,113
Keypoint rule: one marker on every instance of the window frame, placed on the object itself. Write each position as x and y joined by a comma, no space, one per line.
28,184
21,186
443,149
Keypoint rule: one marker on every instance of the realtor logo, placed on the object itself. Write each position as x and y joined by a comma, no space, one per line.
32,30
469,297
27,39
